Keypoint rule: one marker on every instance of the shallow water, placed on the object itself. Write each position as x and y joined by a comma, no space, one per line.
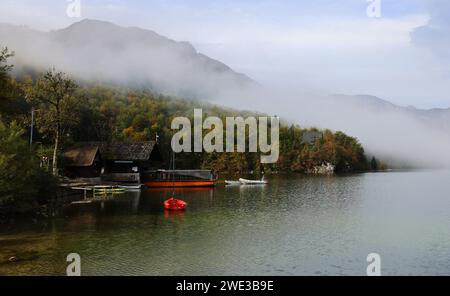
296,225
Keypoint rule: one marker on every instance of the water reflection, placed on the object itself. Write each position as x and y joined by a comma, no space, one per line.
295,225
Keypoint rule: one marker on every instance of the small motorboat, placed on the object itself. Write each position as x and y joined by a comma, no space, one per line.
173,204
229,183
253,182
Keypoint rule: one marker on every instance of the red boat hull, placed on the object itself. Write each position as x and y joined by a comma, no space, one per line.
187,183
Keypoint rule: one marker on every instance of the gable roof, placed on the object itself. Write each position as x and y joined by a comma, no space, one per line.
82,157
135,151
310,137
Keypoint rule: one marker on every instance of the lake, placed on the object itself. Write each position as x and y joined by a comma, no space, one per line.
296,225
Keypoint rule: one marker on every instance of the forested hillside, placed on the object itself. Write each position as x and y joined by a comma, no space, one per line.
113,113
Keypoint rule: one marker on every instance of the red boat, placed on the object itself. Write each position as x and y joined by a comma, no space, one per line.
173,204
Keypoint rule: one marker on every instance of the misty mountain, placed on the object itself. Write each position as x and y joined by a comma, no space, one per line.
100,51
403,136
435,118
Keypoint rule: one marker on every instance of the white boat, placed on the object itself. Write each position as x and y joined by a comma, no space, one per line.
253,182
232,182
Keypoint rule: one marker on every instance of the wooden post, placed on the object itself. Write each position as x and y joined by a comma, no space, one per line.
32,127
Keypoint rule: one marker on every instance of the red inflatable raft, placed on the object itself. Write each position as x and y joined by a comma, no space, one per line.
173,204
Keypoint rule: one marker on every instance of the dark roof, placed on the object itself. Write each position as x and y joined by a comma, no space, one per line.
135,151
310,137
82,157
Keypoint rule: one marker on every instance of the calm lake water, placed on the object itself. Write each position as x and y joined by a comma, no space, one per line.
296,225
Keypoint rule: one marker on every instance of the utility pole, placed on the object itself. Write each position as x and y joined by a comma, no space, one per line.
32,127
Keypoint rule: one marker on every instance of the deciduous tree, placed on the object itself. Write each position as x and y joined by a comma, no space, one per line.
53,95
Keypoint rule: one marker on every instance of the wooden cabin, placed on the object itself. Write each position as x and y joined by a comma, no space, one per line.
82,162
123,161
310,137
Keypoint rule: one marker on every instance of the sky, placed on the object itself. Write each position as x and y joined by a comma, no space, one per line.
321,46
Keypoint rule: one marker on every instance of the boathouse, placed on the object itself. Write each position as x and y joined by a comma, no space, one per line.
82,162
120,161
310,137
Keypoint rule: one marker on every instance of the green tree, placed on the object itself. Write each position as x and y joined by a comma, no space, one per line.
58,107
5,54
4,78
22,182
12,104
374,164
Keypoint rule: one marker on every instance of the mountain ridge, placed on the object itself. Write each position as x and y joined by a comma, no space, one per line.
100,50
